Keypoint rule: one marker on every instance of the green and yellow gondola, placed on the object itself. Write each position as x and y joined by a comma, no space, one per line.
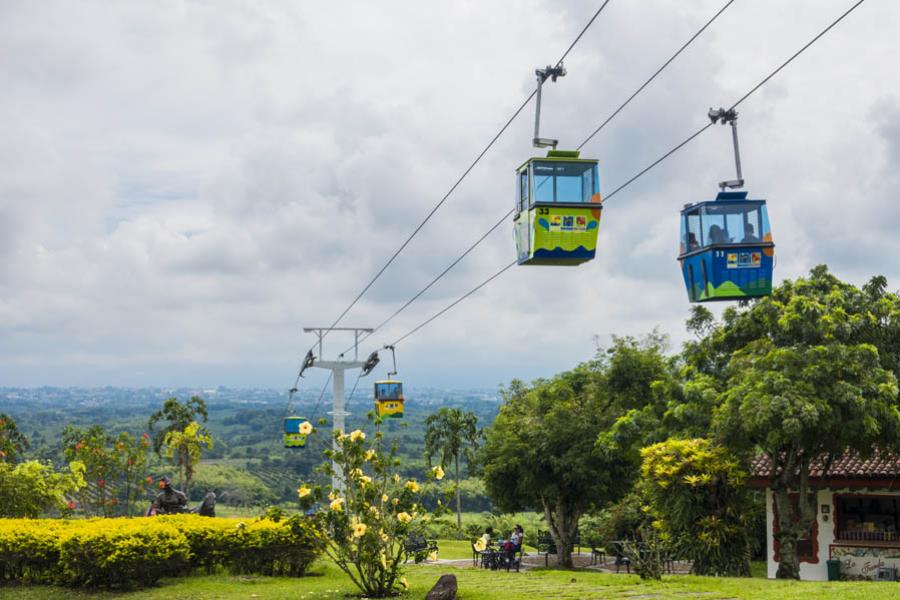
558,209
296,430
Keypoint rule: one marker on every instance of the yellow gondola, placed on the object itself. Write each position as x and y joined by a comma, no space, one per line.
389,399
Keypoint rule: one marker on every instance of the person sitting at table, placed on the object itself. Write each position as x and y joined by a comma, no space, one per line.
518,535
486,537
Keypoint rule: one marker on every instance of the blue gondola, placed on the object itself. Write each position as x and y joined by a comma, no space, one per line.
727,252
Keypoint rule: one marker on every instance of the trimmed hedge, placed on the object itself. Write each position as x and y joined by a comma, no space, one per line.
125,553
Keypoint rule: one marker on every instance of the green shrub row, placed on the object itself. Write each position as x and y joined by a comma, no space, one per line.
127,553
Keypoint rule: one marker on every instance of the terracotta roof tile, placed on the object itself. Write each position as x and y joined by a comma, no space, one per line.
850,465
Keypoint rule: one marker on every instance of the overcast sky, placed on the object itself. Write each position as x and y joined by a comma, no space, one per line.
185,185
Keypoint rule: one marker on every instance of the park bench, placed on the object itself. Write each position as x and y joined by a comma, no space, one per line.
417,543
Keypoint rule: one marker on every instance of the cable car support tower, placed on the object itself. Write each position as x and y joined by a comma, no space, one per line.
337,368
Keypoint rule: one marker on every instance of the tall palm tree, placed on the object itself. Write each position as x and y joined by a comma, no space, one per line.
449,434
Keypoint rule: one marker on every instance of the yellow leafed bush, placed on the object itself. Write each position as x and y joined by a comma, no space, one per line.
137,552
29,549
133,553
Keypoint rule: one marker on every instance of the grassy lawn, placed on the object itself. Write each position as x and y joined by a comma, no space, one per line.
327,582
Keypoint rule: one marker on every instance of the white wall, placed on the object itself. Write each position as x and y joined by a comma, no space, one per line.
810,571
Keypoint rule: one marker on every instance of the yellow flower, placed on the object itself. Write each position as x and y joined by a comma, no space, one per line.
404,517
412,486
241,526
305,428
359,529
479,545
404,583
365,479
357,435
337,505
384,497
396,501
374,510
433,556
438,472
370,454
396,478
303,491
332,495
356,473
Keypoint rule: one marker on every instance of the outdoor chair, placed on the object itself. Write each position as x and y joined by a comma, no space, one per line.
510,558
621,558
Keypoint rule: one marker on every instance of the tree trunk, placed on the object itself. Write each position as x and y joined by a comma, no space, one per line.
188,474
562,520
458,501
794,523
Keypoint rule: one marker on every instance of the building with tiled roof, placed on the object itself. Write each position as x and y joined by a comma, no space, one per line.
857,521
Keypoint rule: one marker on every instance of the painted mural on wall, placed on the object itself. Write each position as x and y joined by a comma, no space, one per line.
865,561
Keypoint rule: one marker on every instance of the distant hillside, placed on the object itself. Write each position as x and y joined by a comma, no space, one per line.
248,465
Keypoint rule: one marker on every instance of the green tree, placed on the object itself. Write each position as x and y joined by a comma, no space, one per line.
571,444
92,448
32,488
640,383
450,434
131,456
803,376
185,448
695,491
539,453
177,416
12,442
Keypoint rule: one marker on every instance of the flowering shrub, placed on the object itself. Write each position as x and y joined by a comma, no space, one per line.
136,552
370,515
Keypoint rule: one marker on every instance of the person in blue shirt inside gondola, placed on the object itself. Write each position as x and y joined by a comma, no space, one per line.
749,234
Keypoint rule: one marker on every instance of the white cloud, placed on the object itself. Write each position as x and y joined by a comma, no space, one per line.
183,187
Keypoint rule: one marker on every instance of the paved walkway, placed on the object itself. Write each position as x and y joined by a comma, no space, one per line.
580,560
